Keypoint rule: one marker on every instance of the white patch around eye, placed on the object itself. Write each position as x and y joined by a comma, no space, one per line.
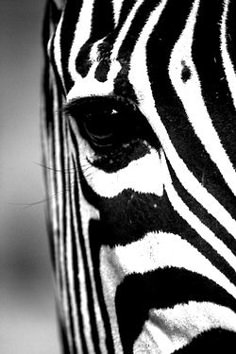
143,175
89,86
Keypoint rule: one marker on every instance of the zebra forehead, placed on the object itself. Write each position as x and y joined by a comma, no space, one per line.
91,40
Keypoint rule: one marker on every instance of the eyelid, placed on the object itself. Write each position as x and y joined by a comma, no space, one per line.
77,106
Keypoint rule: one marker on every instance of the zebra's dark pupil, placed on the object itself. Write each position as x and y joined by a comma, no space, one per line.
102,129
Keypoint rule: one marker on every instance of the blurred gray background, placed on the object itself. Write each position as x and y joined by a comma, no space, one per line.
27,309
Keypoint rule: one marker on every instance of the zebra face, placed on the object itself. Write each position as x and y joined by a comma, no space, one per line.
140,134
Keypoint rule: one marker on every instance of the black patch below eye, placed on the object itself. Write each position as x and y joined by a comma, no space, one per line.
121,157
186,72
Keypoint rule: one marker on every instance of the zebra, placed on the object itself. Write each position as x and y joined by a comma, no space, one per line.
139,137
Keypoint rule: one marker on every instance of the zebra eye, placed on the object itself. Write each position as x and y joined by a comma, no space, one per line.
102,128
106,123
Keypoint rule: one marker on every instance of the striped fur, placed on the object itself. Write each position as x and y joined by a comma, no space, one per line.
142,214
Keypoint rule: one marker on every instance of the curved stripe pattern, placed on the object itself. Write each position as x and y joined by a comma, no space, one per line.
139,137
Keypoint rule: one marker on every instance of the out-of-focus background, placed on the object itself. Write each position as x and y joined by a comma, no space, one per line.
27,309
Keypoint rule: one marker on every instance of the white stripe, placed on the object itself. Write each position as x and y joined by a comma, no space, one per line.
155,251
57,50
143,91
228,66
71,270
70,312
88,212
89,86
65,239
84,309
162,250
59,210
54,208
190,95
110,280
168,330
117,5
124,29
86,328
81,35
194,222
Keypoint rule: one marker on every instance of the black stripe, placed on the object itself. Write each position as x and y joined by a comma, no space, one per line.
66,261
54,17
52,137
102,24
50,85
76,270
206,218
88,193
159,47
95,242
171,110
207,58
215,341
231,32
47,84
162,288
63,336
46,129
63,232
70,18
89,292
135,29
95,249
59,193
58,79
202,214
125,10
197,241
105,48
122,85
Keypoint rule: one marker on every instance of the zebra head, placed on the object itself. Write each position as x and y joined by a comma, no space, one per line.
139,136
